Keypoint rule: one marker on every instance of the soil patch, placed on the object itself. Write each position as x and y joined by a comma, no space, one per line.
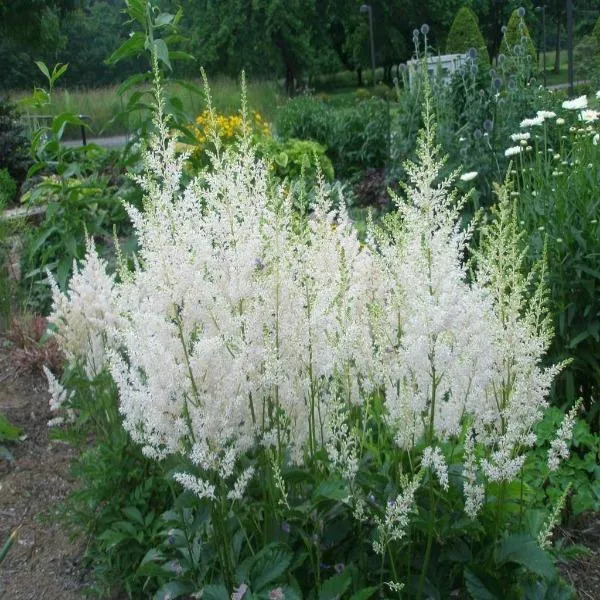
42,562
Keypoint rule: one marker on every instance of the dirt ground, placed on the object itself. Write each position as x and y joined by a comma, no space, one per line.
43,564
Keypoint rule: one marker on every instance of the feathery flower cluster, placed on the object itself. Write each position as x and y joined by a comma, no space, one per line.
433,459
395,521
559,449
242,328
83,316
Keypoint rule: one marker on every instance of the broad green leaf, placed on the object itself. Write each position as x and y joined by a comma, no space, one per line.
181,55
132,47
162,52
58,70
523,550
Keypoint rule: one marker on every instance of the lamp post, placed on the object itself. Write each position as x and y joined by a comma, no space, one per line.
543,9
366,8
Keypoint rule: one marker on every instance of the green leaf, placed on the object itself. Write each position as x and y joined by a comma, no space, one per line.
476,587
335,586
130,82
162,52
137,10
132,47
364,593
269,564
163,20
8,431
523,550
134,514
58,70
181,55
333,489
43,68
214,592
174,589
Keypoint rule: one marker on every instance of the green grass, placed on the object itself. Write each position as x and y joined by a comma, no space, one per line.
102,104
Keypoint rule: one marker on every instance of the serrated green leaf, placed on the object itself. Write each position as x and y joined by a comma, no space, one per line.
269,564
335,586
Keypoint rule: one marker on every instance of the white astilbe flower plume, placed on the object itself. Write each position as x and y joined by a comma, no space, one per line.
83,316
521,335
434,339
559,447
237,321
434,459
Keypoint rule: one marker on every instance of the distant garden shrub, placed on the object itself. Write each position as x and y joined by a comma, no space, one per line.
355,136
465,34
517,42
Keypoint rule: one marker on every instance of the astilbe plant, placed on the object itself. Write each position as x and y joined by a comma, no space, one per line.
256,345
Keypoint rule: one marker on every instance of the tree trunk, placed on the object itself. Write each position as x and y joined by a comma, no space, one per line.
557,49
289,79
359,76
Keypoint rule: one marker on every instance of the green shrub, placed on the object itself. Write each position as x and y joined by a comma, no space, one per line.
465,34
517,41
305,118
293,158
8,188
13,142
355,135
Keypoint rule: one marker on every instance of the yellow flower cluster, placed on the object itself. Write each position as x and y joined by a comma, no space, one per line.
228,126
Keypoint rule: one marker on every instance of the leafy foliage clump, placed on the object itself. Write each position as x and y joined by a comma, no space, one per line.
465,34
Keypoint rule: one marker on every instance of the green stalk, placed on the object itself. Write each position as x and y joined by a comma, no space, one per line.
7,544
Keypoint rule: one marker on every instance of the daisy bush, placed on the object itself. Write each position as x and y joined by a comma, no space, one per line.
557,173
342,416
